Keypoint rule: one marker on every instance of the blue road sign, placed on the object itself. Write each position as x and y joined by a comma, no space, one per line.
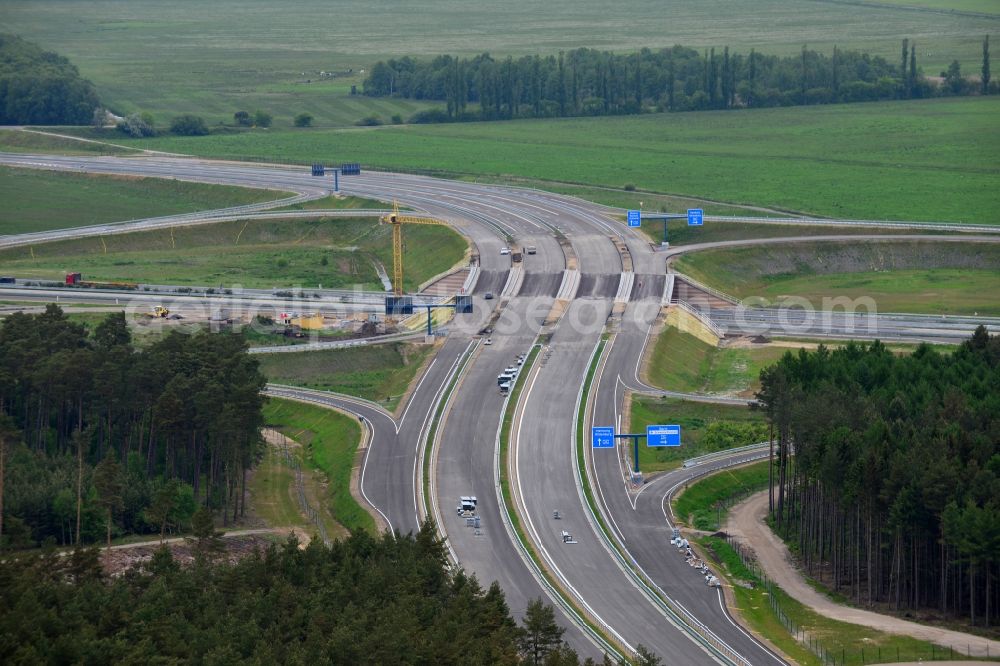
696,217
663,435
603,437
634,218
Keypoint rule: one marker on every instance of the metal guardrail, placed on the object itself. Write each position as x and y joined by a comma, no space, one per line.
683,618
702,317
539,575
709,457
710,290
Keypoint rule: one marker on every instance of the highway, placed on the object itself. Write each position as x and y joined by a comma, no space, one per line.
566,296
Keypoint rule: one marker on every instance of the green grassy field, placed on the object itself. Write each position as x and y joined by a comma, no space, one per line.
332,252
902,276
682,362
12,141
909,160
36,200
696,504
704,428
220,57
329,442
380,373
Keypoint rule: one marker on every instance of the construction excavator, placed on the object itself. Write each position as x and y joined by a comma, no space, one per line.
397,221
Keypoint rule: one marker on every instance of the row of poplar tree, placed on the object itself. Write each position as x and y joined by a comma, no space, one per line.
99,436
887,472
587,82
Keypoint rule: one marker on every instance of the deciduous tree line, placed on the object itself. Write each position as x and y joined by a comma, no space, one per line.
586,82
95,429
38,87
887,471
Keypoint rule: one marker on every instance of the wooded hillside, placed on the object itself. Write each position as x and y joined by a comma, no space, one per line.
94,428
888,472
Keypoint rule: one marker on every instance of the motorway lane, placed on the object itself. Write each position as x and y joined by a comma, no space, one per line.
547,481
465,466
641,527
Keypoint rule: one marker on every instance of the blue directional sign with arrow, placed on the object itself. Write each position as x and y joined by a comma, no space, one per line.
634,218
603,437
663,435
696,217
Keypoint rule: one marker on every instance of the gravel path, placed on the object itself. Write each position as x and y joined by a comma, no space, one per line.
746,521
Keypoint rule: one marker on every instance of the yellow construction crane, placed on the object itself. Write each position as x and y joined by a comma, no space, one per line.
397,221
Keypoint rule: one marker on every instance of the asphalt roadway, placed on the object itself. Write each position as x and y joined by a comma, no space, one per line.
583,271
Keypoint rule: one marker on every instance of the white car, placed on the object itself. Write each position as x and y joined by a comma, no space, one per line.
489,341
505,250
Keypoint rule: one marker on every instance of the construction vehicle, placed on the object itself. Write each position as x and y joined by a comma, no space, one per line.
160,312
397,221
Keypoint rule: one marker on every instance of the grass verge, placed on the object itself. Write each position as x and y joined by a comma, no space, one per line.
899,276
39,200
703,505
705,428
848,644
329,442
380,373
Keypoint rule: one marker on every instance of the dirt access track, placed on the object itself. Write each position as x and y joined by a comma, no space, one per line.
746,521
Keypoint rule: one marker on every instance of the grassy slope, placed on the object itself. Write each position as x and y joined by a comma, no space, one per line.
682,362
262,254
374,373
254,54
693,418
893,160
31,142
696,504
901,276
36,200
330,441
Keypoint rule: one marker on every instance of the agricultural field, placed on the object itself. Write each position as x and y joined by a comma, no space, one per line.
332,252
928,160
15,141
258,55
381,373
37,200
901,276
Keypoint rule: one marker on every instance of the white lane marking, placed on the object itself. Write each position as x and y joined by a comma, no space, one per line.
364,467
409,401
